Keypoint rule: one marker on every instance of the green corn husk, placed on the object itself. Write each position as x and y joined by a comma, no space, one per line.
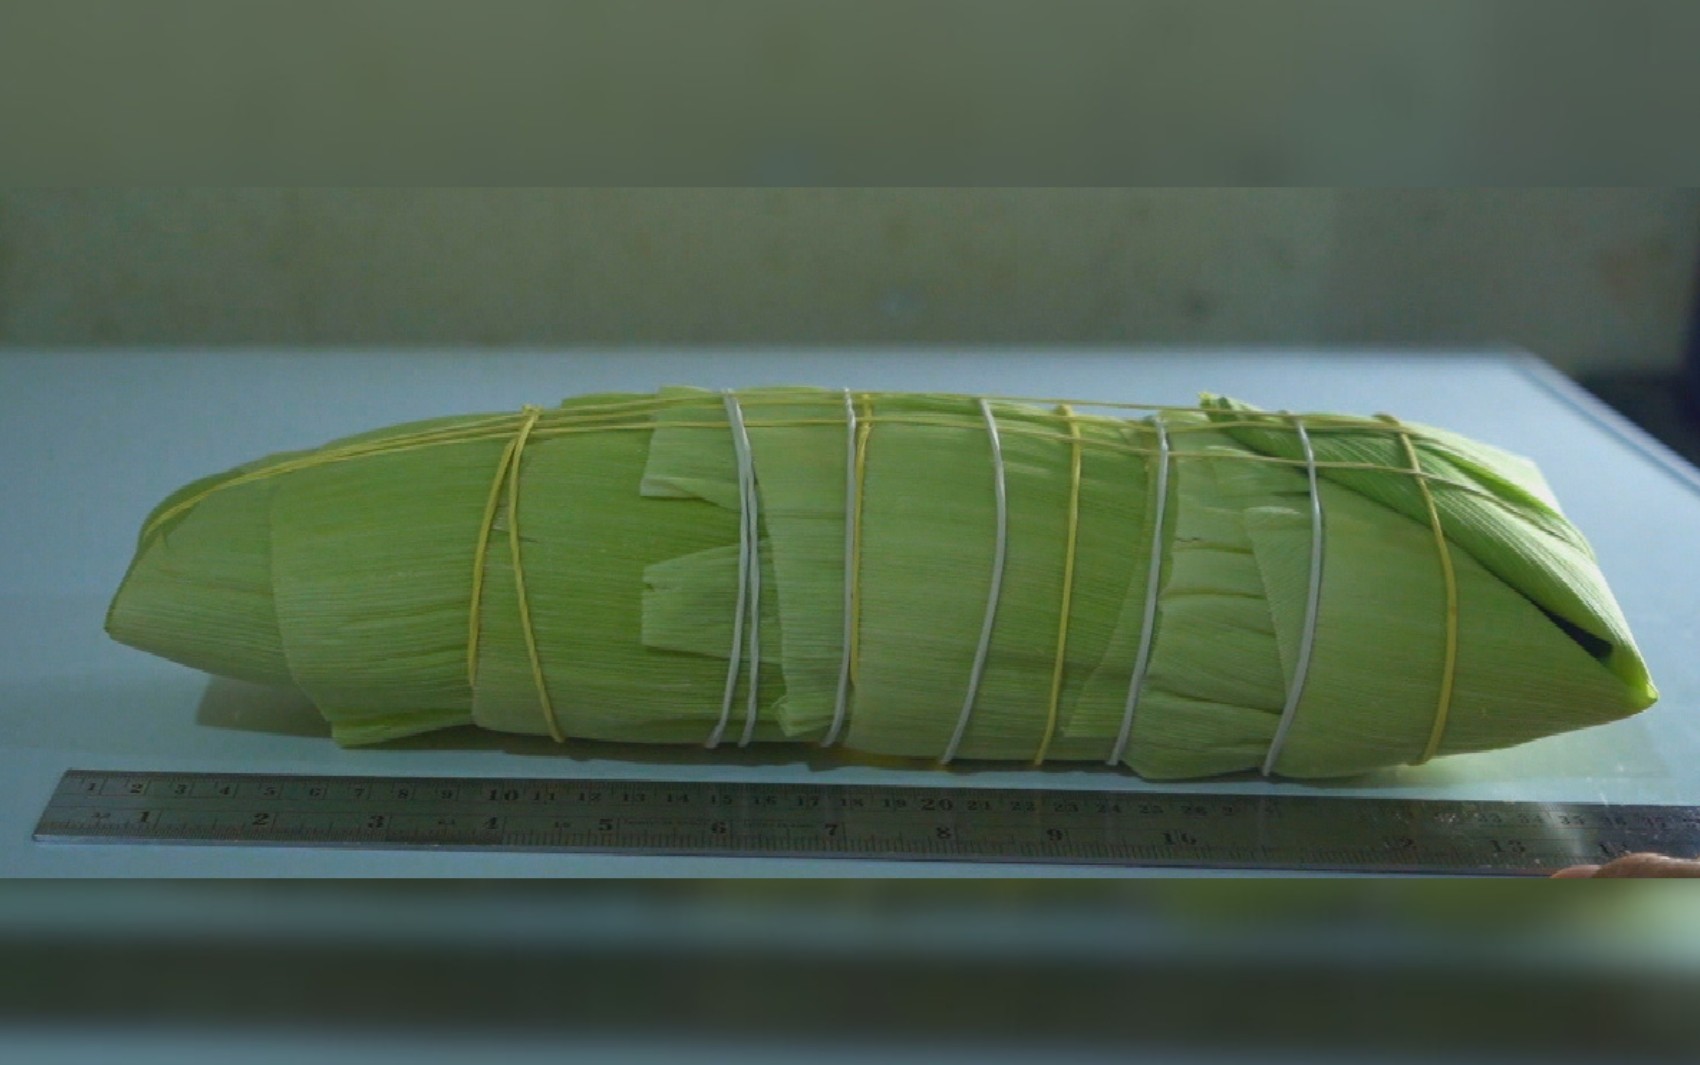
349,573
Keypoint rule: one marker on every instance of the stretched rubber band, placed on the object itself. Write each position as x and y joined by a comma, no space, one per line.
493,428
749,578
999,550
864,429
1296,690
752,547
1449,667
1067,588
526,629
480,554
1153,578
851,495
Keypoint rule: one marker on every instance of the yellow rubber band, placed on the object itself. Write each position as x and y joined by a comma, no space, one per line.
519,576
1068,584
1449,667
559,422
329,457
480,553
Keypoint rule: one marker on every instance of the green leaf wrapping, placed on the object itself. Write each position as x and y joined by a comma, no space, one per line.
349,573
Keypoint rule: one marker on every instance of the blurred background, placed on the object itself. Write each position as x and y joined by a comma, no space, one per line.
1593,279
853,971
1600,282
1080,172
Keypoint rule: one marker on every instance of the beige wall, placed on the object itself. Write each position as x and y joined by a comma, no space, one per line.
1591,278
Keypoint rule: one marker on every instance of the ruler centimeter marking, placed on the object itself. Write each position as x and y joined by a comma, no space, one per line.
870,821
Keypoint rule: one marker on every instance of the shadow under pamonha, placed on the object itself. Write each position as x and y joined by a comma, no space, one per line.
257,708
239,705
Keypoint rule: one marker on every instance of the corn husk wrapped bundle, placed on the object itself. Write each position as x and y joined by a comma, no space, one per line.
1195,591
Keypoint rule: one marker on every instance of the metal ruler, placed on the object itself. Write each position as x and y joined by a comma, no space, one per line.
817,820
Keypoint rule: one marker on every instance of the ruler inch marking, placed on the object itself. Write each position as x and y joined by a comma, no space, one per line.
899,822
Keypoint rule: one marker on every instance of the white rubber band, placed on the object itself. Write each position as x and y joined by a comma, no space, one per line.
1307,641
752,547
1153,577
998,552
749,581
843,700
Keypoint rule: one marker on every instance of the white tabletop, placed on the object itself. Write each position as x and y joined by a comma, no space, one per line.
92,441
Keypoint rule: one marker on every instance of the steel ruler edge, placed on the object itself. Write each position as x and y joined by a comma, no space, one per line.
961,823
